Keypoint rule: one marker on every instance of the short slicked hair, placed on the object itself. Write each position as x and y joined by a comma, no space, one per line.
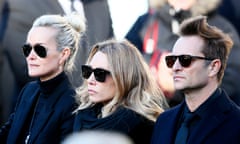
217,44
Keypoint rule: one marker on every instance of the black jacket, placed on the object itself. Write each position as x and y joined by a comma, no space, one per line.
54,119
124,120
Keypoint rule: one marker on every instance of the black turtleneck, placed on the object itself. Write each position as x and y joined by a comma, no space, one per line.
47,87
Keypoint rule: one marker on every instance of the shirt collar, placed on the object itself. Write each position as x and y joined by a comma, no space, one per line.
202,110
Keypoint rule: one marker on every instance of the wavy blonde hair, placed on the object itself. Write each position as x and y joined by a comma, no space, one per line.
136,88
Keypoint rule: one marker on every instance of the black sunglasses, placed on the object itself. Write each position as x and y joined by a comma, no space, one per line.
40,50
184,60
99,73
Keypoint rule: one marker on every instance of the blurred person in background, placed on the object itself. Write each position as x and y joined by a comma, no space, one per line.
118,93
3,17
2,25
1,6
97,137
230,10
43,113
159,31
98,20
21,15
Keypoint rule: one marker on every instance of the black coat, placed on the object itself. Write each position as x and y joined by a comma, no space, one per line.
54,120
124,120
220,126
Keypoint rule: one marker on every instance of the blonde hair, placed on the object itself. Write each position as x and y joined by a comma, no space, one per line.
136,87
70,28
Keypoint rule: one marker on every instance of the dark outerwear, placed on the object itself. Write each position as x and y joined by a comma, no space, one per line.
14,76
220,125
123,120
50,122
99,21
134,34
229,9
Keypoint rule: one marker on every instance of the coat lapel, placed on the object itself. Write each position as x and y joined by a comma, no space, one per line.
45,113
22,112
41,121
207,126
217,115
167,125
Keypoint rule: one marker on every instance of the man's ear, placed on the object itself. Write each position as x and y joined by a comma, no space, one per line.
214,67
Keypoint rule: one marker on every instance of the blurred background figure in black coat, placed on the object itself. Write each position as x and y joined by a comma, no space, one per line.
230,10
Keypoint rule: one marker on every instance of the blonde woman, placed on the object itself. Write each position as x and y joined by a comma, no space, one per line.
119,93
43,113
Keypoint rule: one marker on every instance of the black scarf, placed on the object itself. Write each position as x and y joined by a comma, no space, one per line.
123,120
88,119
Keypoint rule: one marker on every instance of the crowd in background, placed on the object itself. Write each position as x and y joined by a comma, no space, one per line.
155,33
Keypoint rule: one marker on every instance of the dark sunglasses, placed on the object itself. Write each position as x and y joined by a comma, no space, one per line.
99,73
184,60
40,50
